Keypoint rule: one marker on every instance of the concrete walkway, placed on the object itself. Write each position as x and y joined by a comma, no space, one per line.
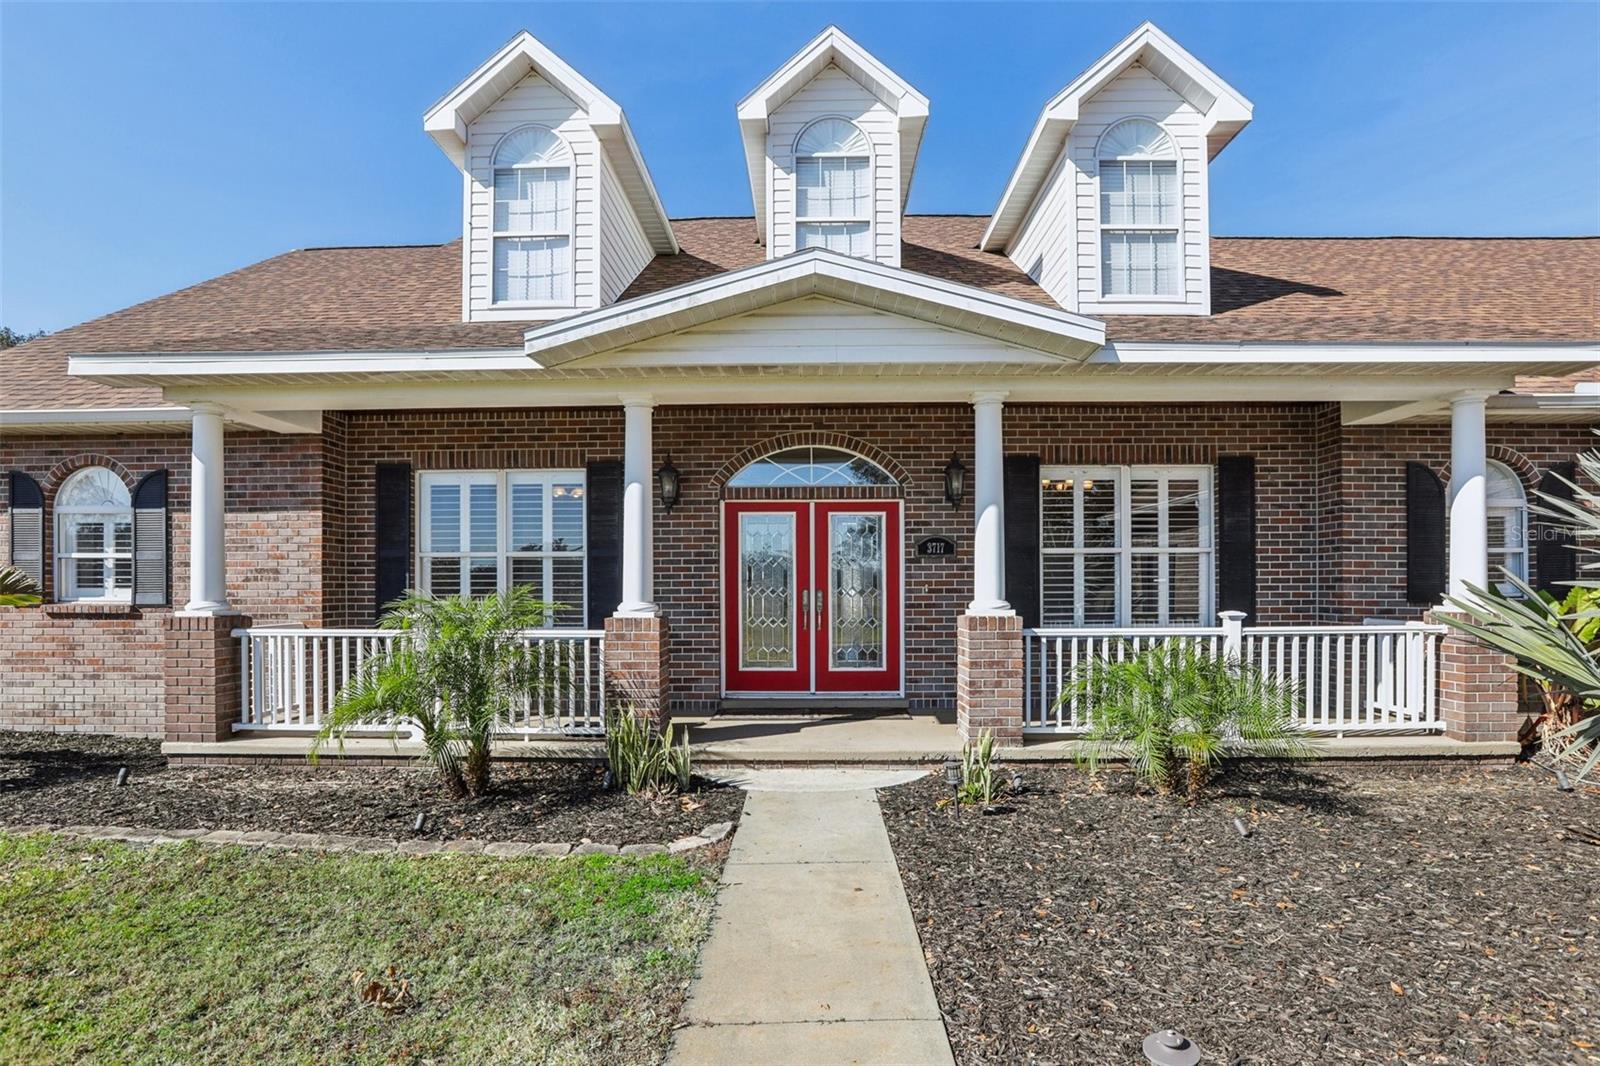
813,957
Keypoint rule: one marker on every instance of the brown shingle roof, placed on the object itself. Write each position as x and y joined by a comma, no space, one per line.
1263,289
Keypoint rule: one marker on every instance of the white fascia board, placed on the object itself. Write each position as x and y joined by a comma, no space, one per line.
809,272
157,367
160,418
623,151
832,44
1226,112
1241,353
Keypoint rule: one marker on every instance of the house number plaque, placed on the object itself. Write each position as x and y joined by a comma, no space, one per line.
936,546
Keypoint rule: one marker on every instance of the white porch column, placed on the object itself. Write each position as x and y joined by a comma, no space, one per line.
208,561
638,593
1469,521
988,506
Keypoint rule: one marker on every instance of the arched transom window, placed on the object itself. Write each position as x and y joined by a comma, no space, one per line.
833,188
532,218
1508,526
1140,207
94,537
809,467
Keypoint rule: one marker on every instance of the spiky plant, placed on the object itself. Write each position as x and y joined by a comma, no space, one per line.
1553,643
642,758
980,779
17,589
457,672
1176,712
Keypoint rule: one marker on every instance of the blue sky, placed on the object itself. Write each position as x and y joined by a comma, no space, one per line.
145,147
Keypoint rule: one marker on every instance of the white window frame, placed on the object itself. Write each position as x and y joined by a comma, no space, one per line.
1517,510
503,553
497,235
1124,550
1104,227
66,563
802,221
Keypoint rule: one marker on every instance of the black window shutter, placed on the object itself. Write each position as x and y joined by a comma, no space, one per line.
603,518
27,526
1022,536
1236,548
1425,546
1554,560
152,541
391,538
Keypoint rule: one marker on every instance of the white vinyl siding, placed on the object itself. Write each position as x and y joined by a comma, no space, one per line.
624,248
872,189
1060,243
488,531
517,275
1126,546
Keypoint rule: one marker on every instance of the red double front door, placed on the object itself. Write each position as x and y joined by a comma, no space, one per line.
811,597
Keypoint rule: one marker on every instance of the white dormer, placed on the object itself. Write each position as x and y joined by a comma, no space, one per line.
830,140
559,213
1108,209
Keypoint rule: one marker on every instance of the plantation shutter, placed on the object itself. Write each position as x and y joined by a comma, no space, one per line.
1236,547
1555,560
603,513
1022,536
1425,546
27,526
151,541
391,536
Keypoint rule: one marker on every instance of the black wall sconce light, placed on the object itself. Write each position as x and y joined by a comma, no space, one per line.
955,480
667,484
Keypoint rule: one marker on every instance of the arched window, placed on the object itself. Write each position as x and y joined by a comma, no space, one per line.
1508,525
1140,208
94,537
809,467
833,188
532,218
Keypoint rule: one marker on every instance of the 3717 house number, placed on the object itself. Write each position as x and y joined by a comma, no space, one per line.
936,546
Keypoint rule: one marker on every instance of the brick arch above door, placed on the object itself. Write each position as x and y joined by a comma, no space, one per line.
811,439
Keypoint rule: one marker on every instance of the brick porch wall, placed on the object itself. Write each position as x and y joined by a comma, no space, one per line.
989,681
202,687
638,667
1479,694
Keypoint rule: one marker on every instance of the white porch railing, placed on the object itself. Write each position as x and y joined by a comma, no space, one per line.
290,677
1355,679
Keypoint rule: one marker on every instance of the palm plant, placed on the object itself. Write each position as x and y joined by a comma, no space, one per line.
457,672
17,589
1176,712
1551,642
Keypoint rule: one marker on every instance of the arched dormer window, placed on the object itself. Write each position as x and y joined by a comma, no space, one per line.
833,188
94,537
1140,208
1508,525
532,218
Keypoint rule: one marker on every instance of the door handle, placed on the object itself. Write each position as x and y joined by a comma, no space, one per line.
805,608
818,620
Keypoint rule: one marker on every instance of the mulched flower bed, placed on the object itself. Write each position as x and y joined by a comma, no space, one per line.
1374,914
71,780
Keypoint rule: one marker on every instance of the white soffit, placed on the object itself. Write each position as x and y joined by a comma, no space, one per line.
833,46
817,272
448,120
1225,113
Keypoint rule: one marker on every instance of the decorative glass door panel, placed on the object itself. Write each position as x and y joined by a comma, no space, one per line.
766,599
811,597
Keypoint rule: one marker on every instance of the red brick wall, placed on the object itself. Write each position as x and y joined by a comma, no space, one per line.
989,679
1370,577
70,669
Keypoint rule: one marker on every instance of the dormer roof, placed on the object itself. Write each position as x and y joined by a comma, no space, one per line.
831,46
1225,112
448,120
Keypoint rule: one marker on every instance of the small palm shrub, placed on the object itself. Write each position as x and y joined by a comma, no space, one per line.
458,673
1175,711
17,589
644,759
980,779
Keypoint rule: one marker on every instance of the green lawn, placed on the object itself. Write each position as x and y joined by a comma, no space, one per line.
189,953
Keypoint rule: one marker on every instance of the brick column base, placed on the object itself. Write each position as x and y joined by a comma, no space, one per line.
203,693
636,666
1478,692
989,681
